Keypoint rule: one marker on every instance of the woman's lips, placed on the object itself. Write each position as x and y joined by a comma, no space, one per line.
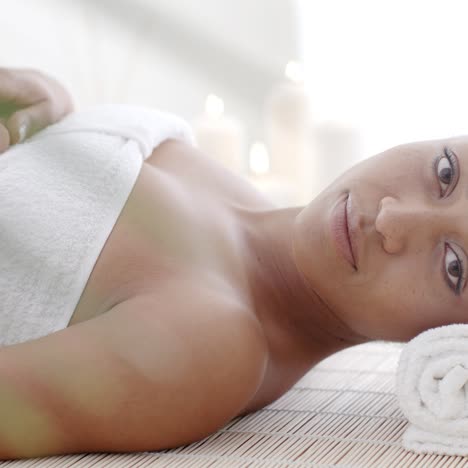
340,232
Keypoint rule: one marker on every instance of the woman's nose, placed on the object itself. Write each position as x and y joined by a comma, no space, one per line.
398,222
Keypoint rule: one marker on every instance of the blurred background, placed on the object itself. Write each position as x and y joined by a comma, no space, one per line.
286,93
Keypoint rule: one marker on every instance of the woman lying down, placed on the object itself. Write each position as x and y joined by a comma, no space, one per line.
149,295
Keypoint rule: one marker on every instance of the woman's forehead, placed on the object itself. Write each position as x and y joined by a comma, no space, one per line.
459,142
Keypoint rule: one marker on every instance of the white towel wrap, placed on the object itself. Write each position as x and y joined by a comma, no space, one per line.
61,193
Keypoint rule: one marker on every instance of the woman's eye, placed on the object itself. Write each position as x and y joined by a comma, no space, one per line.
446,169
453,268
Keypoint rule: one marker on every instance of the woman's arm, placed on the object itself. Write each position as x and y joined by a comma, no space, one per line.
29,101
154,372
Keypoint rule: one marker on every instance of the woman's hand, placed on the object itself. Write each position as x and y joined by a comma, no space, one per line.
29,101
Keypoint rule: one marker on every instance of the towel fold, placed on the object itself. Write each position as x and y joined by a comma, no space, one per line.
432,390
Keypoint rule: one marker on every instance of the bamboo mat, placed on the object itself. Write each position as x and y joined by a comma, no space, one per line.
343,412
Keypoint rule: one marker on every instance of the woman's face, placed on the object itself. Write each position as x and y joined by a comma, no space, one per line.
411,205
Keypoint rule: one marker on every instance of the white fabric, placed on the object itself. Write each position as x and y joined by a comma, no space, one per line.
61,193
432,390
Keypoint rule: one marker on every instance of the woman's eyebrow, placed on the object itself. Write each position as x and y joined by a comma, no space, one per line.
461,166
461,175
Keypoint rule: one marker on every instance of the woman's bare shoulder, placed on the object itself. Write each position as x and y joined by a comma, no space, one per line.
154,372
194,168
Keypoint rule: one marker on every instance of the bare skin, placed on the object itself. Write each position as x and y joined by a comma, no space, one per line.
185,323
199,255
226,214
410,205
29,102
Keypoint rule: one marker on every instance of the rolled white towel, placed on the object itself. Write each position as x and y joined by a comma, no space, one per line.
432,390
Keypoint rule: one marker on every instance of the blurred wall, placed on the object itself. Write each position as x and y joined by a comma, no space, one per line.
394,70
170,55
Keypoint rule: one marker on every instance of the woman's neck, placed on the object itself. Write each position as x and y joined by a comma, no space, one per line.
298,324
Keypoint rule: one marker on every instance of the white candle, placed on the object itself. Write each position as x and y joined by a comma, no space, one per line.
337,147
275,189
287,116
219,136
